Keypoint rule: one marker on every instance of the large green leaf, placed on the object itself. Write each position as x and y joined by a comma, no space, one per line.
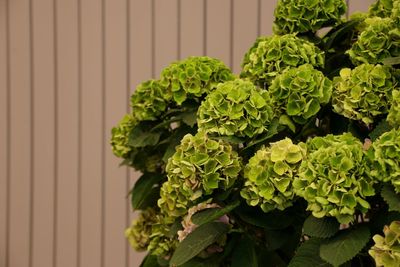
336,35
209,215
380,129
391,61
322,228
197,241
308,255
391,198
142,135
245,254
145,190
345,246
271,220
150,261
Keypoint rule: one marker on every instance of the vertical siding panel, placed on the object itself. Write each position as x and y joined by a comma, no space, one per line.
3,132
115,184
267,16
359,5
20,173
43,133
67,172
245,29
192,28
166,31
219,30
92,132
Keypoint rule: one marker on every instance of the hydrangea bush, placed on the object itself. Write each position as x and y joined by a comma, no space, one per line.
294,162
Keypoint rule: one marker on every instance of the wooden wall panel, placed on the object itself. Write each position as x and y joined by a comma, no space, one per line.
267,16
191,29
359,5
43,130
66,178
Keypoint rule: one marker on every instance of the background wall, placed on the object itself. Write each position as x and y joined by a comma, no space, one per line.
67,69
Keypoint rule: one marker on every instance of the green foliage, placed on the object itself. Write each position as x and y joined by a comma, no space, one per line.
270,56
320,227
384,159
300,92
145,189
236,108
269,175
394,112
386,250
308,255
194,77
391,198
382,8
363,93
199,166
344,246
292,16
332,179
379,40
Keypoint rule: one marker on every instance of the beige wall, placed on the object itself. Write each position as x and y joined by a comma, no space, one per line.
67,68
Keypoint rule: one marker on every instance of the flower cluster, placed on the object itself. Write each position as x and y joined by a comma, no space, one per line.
270,173
364,92
332,178
379,40
120,137
394,113
149,100
386,249
269,56
236,108
150,231
199,166
300,92
382,8
293,16
384,158
193,77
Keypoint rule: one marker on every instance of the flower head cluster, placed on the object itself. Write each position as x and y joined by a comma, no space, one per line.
149,100
236,108
300,92
120,136
150,231
293,16
384,158
332,179
386,249
394,113
199,166
364,92
270,173
269,56
382,8
379,40
193,77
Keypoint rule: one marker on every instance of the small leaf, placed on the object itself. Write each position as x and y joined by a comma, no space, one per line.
322,228
380,129
391,61
197,241
308,255
245,254
150,261
209,215
144,189
391,198
345,246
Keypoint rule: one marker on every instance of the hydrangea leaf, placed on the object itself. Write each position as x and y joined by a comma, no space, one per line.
245,254
308,255
145,188
320,227
391,198
212,214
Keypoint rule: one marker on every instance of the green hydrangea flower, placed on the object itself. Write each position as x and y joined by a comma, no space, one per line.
386,250
199,166
149,100
120,136
150,231
269,56
300,92
236,108
384,158
394,113
293,16
194,77
379,40
332,178
270,173
396,12
382,8
364,92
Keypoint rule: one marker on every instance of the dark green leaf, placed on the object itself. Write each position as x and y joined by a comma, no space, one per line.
276,239
145,190
381,128
141,135
308,255
345,246
334,36
209,215
197,241
150,261
245,254
322,228
391,198
391,61
198,262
